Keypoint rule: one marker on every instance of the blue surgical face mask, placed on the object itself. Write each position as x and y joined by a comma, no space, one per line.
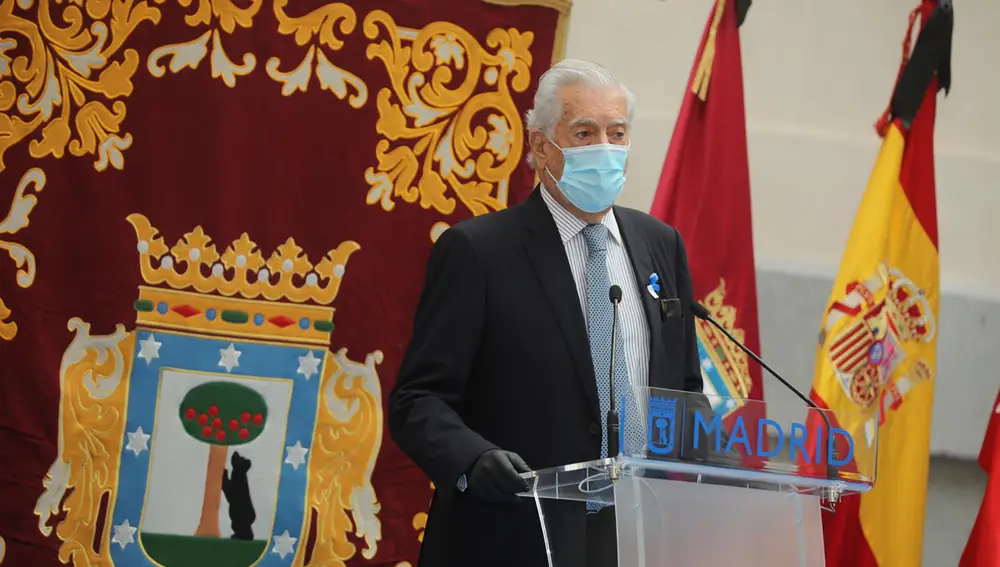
593,176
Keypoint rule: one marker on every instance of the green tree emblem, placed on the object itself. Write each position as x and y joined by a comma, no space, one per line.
221,414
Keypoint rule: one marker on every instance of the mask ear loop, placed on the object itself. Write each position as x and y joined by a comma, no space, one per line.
556,146
628,150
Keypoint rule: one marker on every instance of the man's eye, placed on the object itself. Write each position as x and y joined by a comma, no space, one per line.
582,135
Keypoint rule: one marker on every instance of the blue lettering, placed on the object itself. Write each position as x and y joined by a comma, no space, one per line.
739,435
801,445
831,458
817,443
700,425
762,438
798,440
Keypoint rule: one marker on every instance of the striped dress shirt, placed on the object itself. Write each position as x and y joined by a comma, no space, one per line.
633,329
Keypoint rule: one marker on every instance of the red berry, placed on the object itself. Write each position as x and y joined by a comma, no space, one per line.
220,435
216,423
202,419
258,419
244,433
233,424
213,410
245,417
207,432
190,413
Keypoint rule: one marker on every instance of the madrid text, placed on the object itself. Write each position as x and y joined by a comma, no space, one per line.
797,438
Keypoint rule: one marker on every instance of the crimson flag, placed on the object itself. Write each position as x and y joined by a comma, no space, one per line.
704,192
983,547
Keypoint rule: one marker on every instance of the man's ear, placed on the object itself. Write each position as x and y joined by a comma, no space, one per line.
536,141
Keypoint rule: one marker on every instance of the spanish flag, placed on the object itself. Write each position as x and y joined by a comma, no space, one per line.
876,357
983,547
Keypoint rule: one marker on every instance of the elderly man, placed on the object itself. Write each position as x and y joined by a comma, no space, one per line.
508,367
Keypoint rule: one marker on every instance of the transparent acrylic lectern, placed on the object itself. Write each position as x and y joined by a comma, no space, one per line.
705,488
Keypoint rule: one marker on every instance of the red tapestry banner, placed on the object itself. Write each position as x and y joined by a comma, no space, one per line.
217,218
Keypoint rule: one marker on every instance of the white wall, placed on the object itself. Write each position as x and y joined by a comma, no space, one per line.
817,75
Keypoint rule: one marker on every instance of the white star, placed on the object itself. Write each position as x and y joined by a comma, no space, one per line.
997,411
706,364
296,455
124,534
230,357
137,441
284,544
308,365
149,348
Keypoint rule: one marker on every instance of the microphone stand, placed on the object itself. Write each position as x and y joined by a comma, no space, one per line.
612,418
612,422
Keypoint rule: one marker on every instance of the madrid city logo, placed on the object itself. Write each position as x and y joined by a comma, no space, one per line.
662,425
221,430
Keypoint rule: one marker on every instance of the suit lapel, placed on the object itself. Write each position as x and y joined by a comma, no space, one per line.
643,266
548,258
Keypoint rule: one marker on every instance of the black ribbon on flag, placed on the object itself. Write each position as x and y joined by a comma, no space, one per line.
931,55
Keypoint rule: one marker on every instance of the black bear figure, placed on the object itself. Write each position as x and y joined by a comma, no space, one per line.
237,491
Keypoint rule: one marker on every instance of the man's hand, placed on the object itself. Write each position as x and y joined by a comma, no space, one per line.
495,476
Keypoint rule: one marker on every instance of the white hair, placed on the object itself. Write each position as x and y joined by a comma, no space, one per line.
547,109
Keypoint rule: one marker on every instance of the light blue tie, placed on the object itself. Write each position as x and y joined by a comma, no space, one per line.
599,321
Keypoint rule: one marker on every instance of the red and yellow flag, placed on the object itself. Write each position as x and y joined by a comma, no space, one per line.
983,547
877,341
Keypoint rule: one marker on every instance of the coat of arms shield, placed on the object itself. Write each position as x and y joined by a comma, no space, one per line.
660,431
220,431
221,472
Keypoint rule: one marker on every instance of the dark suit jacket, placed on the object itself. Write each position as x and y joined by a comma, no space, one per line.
500,359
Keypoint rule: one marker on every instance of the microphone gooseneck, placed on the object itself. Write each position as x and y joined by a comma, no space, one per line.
613,429
702,313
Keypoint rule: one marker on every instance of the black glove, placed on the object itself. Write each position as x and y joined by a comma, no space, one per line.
495,476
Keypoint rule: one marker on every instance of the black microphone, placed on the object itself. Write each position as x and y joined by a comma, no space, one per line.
702,313
615,295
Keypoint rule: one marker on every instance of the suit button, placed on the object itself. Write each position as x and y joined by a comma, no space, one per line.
595,429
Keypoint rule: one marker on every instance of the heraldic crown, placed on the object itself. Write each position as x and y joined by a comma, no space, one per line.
237,293
662,405
909,309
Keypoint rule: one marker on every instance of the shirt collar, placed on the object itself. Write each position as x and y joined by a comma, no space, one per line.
570,225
